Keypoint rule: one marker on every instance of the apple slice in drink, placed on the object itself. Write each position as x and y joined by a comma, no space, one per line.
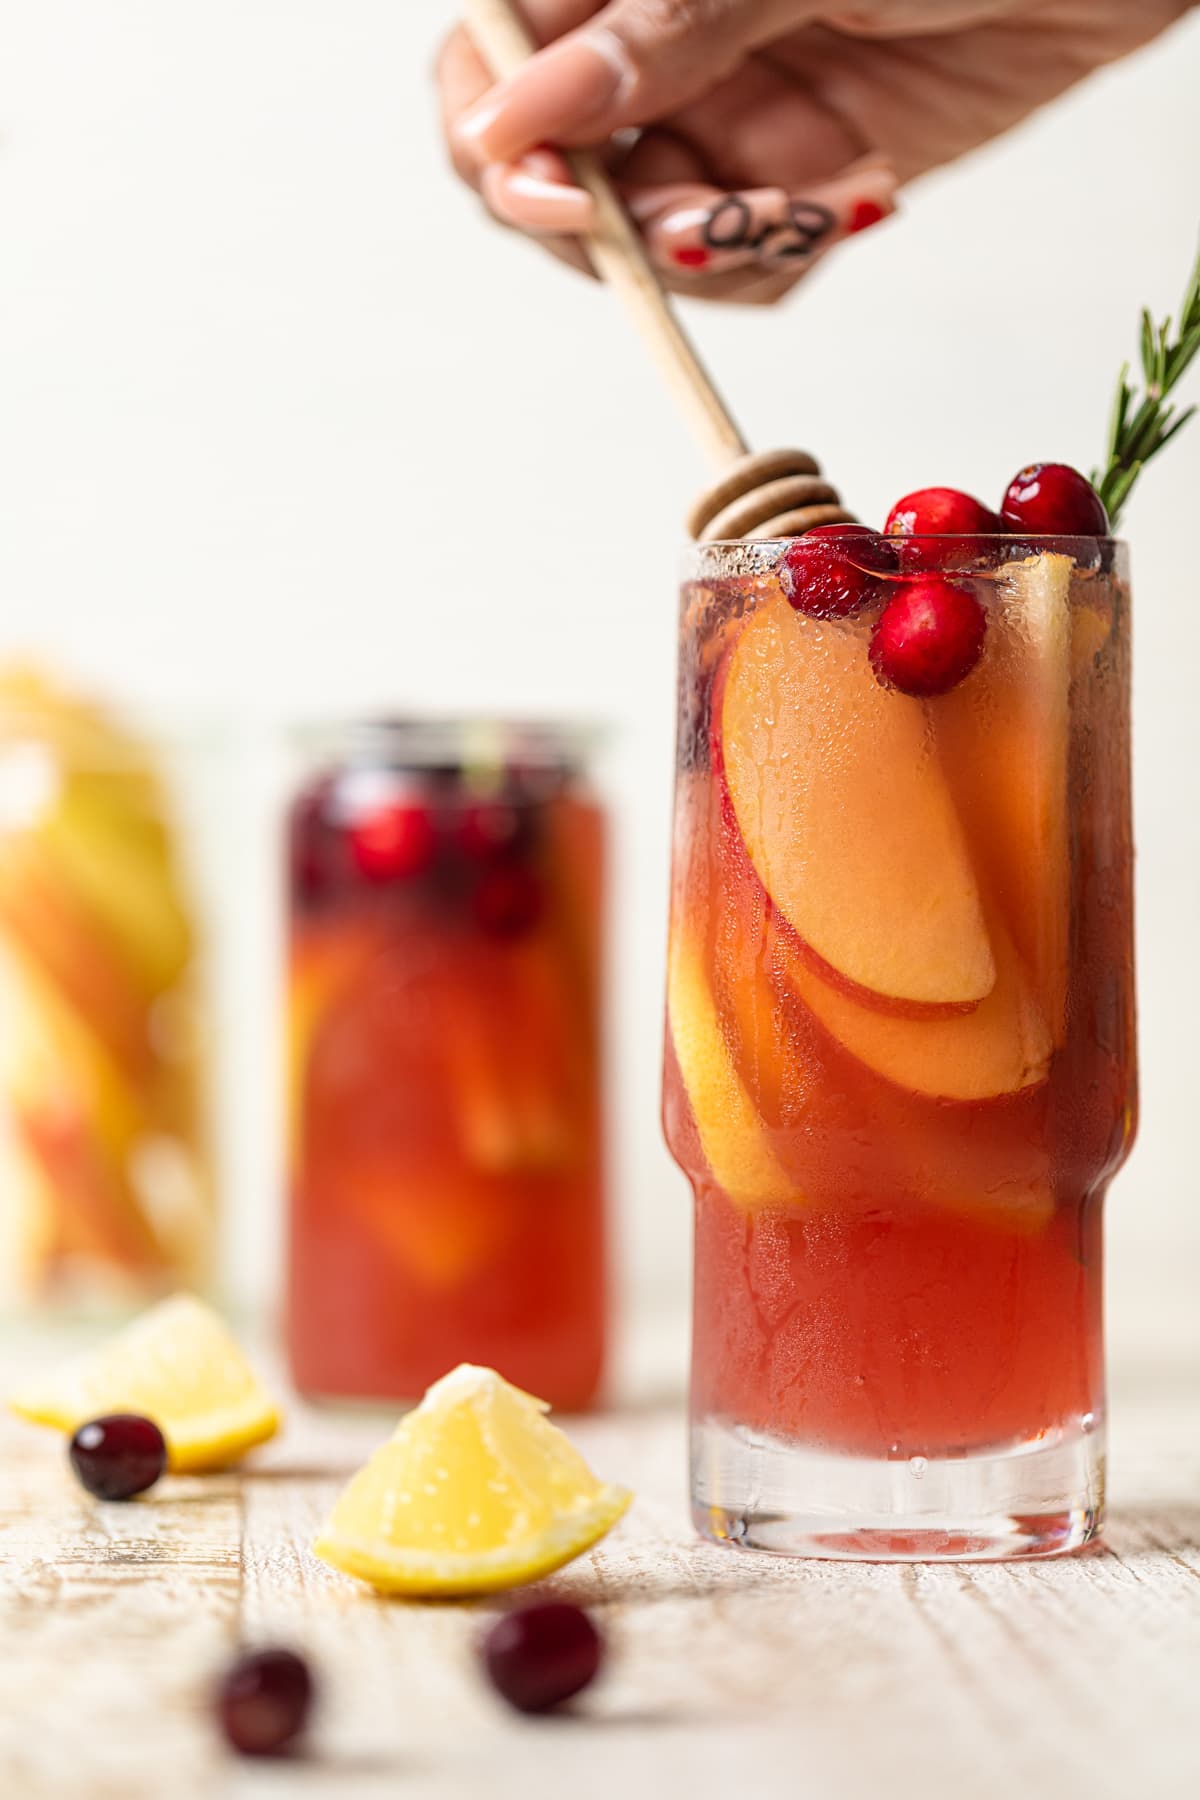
1091,629
1003,742
729,1128
846,815
1001,1047
516,1072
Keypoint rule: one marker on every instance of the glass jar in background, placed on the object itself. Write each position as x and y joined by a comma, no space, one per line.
105,1186
444,1104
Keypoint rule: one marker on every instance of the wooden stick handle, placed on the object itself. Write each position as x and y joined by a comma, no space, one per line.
617,251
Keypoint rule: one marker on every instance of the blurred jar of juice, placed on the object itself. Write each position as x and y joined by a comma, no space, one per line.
445,1132
105,1193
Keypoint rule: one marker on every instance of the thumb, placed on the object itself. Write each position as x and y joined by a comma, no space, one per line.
631,64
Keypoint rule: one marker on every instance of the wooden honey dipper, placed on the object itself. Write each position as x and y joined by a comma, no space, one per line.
769,493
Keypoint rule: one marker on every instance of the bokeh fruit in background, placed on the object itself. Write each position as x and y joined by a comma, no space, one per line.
104,1174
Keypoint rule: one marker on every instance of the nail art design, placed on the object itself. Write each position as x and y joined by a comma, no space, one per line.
764,228
742,222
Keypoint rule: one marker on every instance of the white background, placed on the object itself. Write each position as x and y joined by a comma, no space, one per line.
286,427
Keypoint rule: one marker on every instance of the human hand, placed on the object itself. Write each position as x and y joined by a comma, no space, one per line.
750,136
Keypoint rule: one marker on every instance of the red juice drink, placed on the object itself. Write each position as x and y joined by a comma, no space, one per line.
900,1058
444,1098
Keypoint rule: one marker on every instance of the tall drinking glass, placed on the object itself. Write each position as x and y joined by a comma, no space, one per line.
900,1051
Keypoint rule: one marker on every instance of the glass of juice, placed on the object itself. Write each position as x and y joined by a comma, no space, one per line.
444,1104
900,1048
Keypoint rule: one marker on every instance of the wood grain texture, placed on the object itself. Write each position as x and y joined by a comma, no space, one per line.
728,1674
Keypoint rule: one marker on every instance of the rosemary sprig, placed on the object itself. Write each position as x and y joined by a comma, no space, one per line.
1139,428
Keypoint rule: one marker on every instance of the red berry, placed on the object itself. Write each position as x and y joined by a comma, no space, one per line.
871,550
118,1455
489,831
540,1656
826,572
263,1702
929,637
939,512
508,901
394,842
1050,497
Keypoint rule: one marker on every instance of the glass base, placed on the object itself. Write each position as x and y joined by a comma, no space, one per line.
1042,1498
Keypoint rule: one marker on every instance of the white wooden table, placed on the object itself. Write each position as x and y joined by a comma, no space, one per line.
728,1675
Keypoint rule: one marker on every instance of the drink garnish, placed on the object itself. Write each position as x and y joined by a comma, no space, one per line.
177,1364
1140,428
476,1491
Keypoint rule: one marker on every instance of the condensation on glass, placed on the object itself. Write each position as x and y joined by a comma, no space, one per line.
900,1067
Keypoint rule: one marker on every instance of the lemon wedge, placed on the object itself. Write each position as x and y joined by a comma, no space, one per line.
476,1491
177,1364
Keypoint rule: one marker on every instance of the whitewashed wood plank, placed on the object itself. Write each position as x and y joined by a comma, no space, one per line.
112,1620
728,1674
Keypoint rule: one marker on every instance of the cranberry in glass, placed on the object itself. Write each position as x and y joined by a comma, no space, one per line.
823,575
871,548
508,901
263,1702
489,830
539,1656
314,847
940,512
929,637
1055,499
396,841
118,1455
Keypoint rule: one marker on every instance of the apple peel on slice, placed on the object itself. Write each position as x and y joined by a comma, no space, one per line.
846,814
1001,1047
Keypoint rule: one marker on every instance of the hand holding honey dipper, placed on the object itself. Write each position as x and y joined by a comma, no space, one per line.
749,137
777,90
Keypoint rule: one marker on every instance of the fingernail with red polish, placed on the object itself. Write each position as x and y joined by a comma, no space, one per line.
698,231
864,214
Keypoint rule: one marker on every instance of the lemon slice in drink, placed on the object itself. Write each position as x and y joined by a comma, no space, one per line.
177,1364
476,1491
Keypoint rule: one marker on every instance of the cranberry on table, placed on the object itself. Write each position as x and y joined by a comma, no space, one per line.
1054,498
540,1656
263,1702
928,637
827,574
395,841
118,1455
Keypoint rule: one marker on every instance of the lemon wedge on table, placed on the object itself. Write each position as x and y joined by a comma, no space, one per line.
476,1491
177,1364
